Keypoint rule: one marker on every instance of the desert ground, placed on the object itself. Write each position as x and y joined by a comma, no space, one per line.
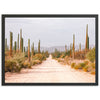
50,71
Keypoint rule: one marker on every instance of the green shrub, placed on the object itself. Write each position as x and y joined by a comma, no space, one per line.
92,65
82,64
40,57
56,54
26,64
86,68
93,72
91,55
78,66
73,65
11,66
46,54
86,62
15,63
34,62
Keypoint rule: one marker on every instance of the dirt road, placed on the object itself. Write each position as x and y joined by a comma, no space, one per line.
50,71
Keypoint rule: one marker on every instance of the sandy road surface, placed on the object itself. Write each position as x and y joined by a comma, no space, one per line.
50,71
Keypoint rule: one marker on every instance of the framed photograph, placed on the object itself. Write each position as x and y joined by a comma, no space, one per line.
49,50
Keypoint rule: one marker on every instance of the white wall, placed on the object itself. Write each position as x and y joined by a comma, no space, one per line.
49,92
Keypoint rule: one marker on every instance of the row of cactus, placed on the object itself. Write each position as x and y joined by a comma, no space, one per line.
22,49
72,48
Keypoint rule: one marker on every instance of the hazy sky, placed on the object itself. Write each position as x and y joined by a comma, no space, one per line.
51,31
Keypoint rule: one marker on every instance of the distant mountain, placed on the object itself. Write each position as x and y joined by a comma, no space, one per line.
60,48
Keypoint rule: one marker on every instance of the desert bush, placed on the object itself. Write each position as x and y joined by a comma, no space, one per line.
39,57
78,66
93,72
73,65
62,56
56,54
91,55
15,63
26,64
46,54
82,65
11,66
80,55
67,60
34,62
92,65
60,60
86,68
86,62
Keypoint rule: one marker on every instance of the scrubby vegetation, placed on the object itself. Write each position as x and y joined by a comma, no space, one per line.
58,54
79,59
91,55
82,60
86,66
17,57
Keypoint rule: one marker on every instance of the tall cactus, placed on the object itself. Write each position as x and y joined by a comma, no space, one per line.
20,40
29,49
22,45
39,47
11,43
6,48
65,48
73,46
33,48
24,50
80,47
15,47
87,40
31,52
18,43
88,44
70,50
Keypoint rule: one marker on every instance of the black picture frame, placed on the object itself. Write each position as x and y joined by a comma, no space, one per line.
49,16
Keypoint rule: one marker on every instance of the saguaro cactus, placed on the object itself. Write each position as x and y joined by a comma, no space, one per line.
15,47
70,50
22,45
20,40
73,46
31,52
29,49
65,48
11,43
88,44
18,43
24,49
80,47
33,48
6,48
39,47
87,40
